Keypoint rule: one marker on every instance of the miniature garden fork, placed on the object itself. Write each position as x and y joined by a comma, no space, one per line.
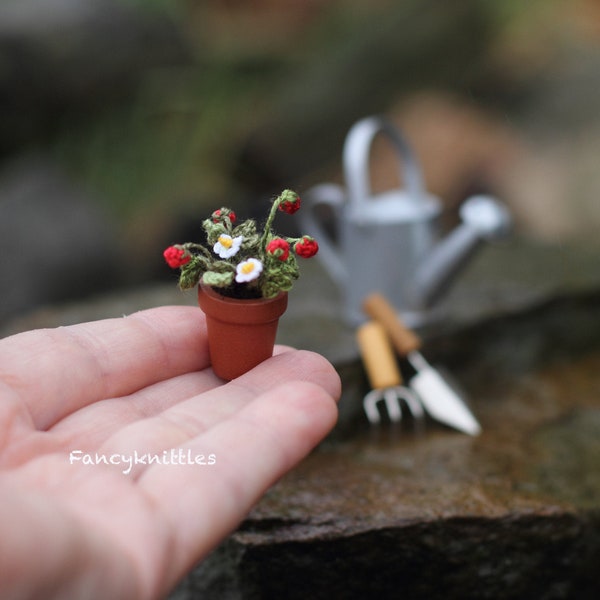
384,376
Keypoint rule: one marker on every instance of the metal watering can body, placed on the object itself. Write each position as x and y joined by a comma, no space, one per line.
390,242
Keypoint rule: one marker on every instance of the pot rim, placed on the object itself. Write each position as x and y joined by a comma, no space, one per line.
242,311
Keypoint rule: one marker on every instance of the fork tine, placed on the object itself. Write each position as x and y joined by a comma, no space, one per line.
412,401
392,403
370,406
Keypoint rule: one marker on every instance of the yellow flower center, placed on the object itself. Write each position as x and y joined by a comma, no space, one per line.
247,268
225,241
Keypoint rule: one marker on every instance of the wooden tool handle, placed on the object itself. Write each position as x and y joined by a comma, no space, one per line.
378,356
378,308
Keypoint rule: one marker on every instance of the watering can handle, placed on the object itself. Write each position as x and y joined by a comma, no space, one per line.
333,196
356,160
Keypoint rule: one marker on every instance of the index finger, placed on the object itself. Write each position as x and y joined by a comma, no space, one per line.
54,372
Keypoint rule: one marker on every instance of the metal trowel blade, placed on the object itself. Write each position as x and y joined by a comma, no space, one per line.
442,403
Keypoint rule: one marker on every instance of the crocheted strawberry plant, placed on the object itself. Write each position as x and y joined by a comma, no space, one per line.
240,261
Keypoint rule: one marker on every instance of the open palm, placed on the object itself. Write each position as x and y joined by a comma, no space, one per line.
82,411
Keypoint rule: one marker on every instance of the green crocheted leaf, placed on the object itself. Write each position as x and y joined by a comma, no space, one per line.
218,280
247,229
222,266
251,245
191,272
213,230
279,276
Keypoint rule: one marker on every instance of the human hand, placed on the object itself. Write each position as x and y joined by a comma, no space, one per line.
139,384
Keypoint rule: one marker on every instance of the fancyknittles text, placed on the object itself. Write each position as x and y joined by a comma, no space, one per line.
174,456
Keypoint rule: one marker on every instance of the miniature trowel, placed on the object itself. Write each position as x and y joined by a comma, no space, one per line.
440,401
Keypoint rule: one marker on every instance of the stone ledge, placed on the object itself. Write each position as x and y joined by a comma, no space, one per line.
513,513
433,513
515,557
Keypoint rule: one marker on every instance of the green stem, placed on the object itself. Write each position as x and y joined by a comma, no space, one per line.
269,224
291,241
199,247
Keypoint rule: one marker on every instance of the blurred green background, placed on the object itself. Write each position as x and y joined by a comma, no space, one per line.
228,101
178,136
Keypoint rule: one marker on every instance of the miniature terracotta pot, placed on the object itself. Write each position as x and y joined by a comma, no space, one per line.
241,333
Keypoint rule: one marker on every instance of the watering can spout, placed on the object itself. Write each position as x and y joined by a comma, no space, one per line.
483,218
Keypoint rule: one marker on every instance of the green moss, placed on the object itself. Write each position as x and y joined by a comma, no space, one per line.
171,143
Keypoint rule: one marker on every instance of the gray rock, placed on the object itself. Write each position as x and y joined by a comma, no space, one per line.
428,514
55,243
59,55
431,513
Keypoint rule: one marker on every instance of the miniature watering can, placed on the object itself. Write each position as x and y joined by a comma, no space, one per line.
390,242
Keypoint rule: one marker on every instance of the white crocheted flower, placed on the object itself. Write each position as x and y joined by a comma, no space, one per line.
248,270
227,246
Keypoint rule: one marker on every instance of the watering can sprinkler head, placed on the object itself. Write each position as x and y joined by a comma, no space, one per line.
487,216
